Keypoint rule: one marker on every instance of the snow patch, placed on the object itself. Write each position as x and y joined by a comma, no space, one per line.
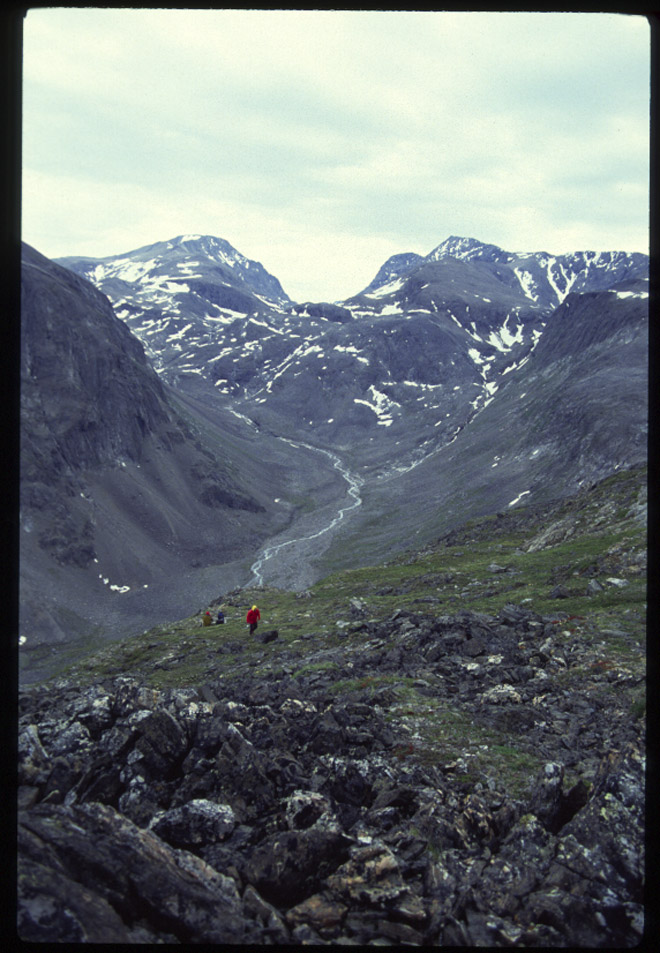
179,334
106,582
380,404
569,280
503,339
527,283
351,349
519,497
386,289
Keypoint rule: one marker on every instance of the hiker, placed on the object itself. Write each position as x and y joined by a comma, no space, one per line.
252,619
206,618
221,618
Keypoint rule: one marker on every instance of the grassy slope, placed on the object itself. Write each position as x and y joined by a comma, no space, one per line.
607,541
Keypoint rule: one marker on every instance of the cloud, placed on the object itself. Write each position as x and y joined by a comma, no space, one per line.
307,138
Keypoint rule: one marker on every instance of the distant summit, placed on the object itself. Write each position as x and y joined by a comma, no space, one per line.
468,249
187,263
544,279
395,267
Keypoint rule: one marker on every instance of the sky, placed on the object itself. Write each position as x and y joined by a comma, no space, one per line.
322,142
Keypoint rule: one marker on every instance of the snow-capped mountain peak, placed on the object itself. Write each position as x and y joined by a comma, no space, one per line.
185,263
468,249
395,267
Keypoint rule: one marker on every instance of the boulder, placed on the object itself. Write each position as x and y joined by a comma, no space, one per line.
109,868
291,865
197,822
270,635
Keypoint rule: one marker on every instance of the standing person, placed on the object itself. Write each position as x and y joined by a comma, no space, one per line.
252,619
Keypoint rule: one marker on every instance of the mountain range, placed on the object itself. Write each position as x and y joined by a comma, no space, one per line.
416,354
185,424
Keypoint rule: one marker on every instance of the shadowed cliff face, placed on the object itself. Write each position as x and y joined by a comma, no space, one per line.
119,493
88,395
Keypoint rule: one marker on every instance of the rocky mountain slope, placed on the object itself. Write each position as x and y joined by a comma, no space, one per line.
574,411
446,749
120,492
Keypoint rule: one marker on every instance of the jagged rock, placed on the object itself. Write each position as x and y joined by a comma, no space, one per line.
305,809
33,761
546,797
358,607
196,822
501,693
496,568
312,815
290,865
473,647
319,912
556,533
160,745
101,781
175,894
274,927
559,592
372,876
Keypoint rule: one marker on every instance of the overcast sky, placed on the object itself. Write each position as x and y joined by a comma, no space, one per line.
322,142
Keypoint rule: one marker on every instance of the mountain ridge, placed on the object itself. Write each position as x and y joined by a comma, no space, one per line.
473,308
541,275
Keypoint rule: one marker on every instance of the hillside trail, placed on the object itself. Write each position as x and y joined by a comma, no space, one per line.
287,562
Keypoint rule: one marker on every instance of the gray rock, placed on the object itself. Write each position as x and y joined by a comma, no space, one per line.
197,822
289,866
174,893
559,592
271,635
294,811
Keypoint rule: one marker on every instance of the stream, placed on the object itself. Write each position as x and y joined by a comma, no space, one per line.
288,562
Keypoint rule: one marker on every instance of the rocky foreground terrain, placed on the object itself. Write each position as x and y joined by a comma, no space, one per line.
448,749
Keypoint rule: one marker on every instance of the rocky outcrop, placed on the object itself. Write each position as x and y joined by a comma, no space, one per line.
356,799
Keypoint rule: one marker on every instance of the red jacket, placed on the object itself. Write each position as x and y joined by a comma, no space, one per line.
253,616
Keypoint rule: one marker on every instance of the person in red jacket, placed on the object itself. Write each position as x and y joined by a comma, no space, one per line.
252,618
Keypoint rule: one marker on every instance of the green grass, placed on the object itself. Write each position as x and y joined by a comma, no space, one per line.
441,733
442,579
